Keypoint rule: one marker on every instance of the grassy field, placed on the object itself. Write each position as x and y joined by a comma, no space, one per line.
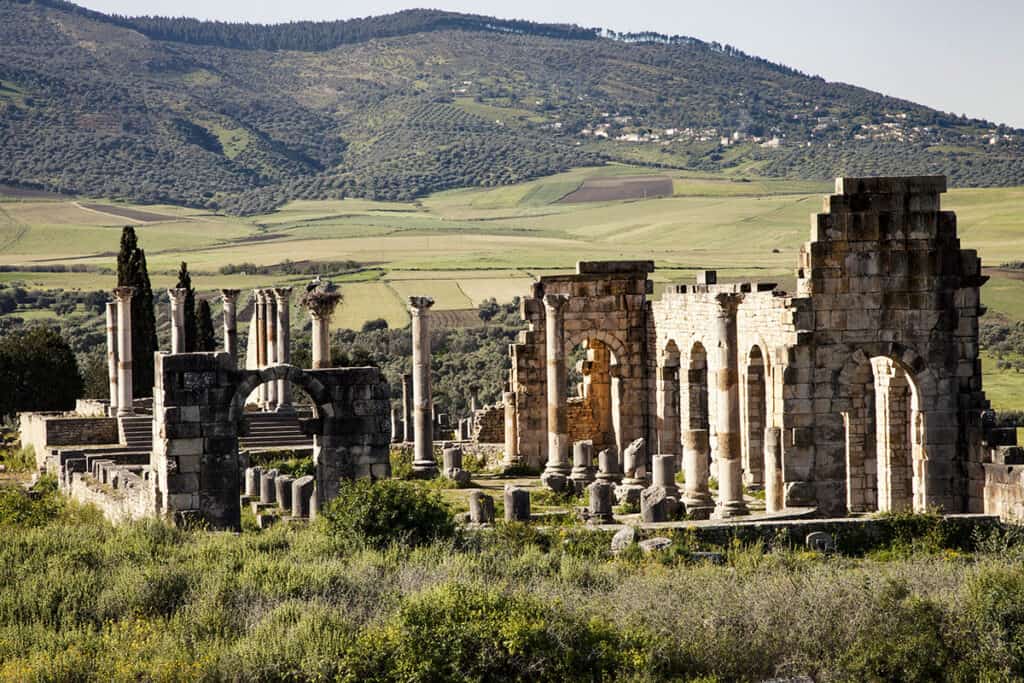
465,246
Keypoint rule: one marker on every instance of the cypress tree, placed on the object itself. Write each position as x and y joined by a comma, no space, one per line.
205,339
191,332
132,272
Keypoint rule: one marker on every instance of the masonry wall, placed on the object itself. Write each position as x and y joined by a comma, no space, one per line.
489,424
43,431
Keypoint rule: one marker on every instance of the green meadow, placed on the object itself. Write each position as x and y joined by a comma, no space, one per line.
465,246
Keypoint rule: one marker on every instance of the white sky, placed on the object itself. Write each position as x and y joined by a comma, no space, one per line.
964,56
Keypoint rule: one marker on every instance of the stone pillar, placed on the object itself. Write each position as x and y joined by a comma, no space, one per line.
283,298
271,309
511,435
664,473
423,462
582,464
407,419
229,298
558,466
260,311
696,464
668,409
517,504
727,415
481,508
177,297
608,466
124,346
112,356
601,493
321,307
773,487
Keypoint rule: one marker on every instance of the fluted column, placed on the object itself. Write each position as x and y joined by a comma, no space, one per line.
423,462
177,298
229,298
321,307
727,391
260,311
283,299
112,356
268,294
124,345
558,464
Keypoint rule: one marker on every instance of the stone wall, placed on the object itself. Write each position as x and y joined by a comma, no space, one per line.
1004,491
608,304
44,431
489,424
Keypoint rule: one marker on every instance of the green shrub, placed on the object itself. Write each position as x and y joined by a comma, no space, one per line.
458,632
377,514
994,607
18,459
401,463
34,507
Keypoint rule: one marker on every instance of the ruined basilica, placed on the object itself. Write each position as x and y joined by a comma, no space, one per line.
859,392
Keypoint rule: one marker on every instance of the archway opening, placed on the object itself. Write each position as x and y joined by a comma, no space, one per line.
593,404
756,419
669,396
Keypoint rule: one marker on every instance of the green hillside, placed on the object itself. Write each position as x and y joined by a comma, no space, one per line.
243,118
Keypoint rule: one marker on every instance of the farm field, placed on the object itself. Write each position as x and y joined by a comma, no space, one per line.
465,246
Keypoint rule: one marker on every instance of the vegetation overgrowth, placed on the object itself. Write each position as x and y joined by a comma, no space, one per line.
81,599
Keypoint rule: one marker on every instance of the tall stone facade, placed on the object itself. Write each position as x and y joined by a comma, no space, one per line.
859,392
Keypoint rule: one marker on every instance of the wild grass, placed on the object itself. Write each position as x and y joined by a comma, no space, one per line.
83,600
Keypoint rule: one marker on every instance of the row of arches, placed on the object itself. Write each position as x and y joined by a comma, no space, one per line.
870,441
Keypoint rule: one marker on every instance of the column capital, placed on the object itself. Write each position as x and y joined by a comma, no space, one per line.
728,302
555,302
124,293
282,294
321,305
177,295
418,304
230,295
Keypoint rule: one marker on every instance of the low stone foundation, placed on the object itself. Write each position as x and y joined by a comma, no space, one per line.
45,431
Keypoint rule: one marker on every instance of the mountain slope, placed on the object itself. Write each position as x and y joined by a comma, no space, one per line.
394,107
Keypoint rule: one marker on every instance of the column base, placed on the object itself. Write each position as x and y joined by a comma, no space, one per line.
125,412
424,469
556,477
734,508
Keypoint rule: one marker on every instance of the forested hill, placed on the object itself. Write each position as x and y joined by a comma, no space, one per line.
241,117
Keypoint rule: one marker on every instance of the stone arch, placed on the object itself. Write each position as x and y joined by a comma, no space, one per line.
603,393
669,415
696,395
251,379
886,396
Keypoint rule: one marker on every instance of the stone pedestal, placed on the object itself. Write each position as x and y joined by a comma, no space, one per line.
125,398
481,508
423,463
601,495
253,475
582,465
283,491
517,504
664,474
303,495
268,492
453,465
608,466
633,477
557,469
177,298
654,504
112,356
696,470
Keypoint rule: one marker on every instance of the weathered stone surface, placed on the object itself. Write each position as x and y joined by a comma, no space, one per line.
481,508
517,504
651,545
654,504
600,511
623,538
820,541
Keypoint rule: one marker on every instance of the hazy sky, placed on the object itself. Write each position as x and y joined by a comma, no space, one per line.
964,56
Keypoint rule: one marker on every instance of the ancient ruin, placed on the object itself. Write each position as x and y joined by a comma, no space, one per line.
859,392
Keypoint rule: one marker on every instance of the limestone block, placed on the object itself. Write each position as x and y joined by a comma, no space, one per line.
517,504
481,508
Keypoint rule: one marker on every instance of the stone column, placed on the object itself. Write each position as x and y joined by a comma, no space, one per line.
177,297
229,297
321,307
727,415
423,461
271,305
112,356
407,419
283,299
124,345
260,311
668,409
773,487
696,464
511,435
558,465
